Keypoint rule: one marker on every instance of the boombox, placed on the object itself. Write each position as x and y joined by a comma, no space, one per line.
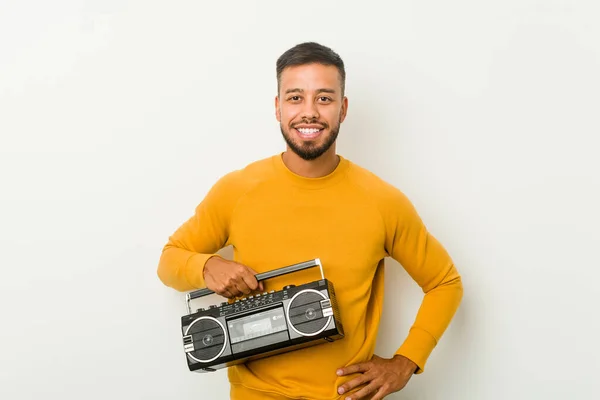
261,325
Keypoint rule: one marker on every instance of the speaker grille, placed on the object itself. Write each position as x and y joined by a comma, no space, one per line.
208,338
305,313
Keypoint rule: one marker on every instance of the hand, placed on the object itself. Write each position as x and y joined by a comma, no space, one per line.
230,279
381,376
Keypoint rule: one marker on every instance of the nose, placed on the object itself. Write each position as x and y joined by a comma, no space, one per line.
310,111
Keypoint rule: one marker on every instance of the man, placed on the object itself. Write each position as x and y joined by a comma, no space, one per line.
305,203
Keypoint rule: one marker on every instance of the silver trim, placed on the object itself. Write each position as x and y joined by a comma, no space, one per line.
318,262
187,300
188,346
287,313
224,342
326,307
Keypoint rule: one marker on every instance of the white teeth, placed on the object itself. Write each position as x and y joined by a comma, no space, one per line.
305,131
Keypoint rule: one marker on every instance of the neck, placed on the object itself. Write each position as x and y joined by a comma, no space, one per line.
319,167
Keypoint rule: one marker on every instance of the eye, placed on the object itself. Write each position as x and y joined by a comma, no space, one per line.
294,98
325,99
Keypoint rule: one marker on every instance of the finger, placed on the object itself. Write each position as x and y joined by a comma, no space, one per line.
362,393
235,291
381,393
231,285
248,275
352,369
241,286
230,290
226,293
259,285
354,383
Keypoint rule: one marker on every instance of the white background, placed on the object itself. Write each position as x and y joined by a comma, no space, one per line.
117,116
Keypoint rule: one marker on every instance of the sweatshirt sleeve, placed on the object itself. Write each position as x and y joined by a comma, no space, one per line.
182,260
431,267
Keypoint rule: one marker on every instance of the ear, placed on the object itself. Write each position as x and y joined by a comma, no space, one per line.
344,109
277,109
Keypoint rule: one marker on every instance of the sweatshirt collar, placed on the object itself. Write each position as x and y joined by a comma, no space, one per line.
311,183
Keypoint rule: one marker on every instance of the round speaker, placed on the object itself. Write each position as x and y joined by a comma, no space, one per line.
305,314
208,337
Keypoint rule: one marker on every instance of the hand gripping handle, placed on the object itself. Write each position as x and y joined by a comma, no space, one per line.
260,277
267,275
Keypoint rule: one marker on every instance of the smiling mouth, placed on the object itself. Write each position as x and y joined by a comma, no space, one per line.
309,133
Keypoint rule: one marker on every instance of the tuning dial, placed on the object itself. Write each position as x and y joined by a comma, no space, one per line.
289,287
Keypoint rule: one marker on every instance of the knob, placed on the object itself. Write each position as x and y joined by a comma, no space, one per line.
289,287
213,306
272,291
224,303
200,309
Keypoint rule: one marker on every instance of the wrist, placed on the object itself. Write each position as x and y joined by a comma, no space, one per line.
209,263
405,363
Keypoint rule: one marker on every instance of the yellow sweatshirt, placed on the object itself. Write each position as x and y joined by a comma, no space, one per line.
351,220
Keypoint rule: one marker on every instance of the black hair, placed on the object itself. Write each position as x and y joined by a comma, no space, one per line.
310,53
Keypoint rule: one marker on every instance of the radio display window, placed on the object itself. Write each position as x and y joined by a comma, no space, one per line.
256,325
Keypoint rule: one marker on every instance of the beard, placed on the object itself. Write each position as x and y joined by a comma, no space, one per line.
309,150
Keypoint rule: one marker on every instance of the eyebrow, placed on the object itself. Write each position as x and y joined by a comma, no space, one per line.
298,90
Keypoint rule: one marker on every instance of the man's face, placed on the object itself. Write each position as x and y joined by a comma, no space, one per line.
310,108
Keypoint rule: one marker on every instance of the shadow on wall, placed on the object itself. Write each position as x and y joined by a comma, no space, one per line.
402,300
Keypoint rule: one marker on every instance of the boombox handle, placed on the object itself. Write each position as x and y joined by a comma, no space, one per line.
261,277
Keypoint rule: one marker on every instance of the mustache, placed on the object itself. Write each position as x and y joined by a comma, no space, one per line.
323,125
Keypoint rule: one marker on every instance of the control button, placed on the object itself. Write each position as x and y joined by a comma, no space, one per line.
237,300
289,287
257,295
224,303
213,306
200,309
272,291
267,293
251,297
244,299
